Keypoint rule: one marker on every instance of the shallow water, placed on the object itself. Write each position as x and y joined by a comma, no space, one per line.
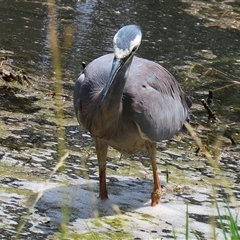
173,36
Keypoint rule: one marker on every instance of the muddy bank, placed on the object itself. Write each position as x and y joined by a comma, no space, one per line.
29,153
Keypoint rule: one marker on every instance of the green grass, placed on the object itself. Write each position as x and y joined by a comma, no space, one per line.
228,224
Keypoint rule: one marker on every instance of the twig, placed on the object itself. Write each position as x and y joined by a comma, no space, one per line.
211,114
226,86
210,97
212,161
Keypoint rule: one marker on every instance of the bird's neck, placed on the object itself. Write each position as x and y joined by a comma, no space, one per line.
110,113
113,100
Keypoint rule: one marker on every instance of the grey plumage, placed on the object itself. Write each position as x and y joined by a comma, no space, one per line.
129,103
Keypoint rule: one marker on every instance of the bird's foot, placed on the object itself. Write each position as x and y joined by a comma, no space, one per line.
156,195
103,196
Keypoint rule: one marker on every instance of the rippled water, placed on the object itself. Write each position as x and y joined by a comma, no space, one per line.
172,36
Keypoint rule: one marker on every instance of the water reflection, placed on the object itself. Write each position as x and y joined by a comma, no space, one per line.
171,37
23,30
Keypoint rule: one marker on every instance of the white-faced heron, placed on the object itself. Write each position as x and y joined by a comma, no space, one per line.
129,103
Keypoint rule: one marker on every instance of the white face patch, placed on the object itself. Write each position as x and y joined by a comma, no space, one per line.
122,53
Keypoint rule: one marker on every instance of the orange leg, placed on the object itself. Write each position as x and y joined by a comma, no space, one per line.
101,149
157,190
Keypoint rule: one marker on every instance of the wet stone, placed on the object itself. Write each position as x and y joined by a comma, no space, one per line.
29,152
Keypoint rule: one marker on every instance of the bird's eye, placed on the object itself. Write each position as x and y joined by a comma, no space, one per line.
134,49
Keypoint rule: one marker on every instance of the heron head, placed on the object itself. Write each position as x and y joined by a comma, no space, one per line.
126,41
125,44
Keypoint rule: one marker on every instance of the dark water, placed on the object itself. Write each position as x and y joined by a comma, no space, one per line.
171,37
86,28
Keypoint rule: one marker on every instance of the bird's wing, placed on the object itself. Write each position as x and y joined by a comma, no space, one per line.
158,105
88,86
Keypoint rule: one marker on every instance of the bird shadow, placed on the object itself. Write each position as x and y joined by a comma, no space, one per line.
81,201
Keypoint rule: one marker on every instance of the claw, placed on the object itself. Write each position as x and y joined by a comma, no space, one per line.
156,195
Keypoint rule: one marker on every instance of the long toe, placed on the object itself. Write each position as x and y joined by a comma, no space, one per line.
156,195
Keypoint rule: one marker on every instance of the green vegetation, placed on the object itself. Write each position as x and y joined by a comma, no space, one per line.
188,172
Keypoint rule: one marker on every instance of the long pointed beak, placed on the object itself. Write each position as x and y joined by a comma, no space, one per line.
116,66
